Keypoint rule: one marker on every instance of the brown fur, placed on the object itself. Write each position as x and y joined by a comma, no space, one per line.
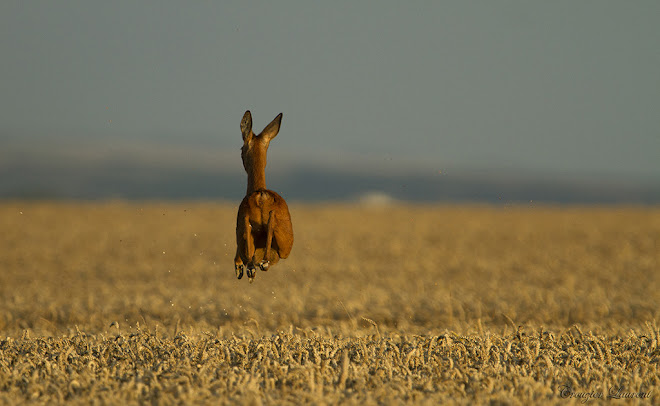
264,233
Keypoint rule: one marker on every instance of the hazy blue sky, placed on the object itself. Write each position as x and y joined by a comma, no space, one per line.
558,86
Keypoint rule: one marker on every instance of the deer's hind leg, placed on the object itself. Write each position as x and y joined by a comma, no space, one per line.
249,247
239,263
239,267
244,247
283,233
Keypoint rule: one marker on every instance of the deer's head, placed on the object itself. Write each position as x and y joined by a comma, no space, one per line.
253,152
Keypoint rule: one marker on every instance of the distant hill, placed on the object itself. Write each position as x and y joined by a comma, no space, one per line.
131,179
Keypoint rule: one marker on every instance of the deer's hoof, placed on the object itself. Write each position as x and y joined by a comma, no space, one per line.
264,265
239,270
251,272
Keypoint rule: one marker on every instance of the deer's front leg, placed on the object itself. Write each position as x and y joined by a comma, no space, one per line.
249,248
265,263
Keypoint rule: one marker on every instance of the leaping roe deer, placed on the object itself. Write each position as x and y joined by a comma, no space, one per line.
264,233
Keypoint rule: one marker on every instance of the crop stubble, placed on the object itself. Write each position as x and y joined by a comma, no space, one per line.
139,302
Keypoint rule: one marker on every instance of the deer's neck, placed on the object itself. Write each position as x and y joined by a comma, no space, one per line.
256,178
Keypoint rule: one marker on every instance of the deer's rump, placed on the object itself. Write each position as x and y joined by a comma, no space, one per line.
258,205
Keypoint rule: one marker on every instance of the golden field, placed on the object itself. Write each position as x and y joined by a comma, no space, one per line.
117,302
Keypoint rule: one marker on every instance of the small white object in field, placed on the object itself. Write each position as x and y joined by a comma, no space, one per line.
375,198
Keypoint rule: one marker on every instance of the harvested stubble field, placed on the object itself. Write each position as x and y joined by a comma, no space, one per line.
138,302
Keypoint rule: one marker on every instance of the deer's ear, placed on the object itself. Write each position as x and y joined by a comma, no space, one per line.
246,127
272,129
